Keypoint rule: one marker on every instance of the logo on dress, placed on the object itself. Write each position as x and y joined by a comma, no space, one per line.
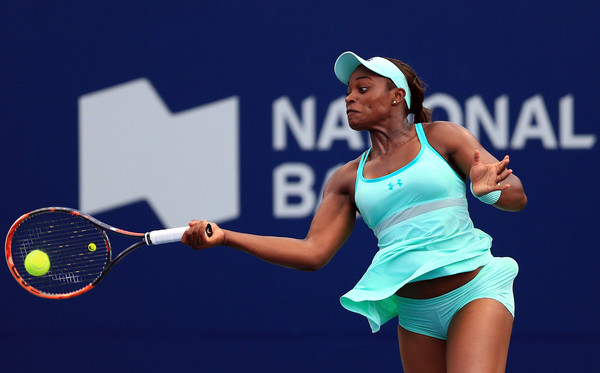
398,184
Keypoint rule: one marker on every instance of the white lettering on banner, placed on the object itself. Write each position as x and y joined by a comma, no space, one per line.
294,192
132,148
497,130
568,140
293,180
533,122
303,128
294,195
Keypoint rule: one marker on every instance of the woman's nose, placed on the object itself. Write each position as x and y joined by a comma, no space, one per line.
350,98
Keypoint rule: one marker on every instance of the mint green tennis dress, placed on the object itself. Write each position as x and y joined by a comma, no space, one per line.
420,218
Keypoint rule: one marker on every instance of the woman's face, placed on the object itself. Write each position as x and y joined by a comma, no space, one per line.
368,100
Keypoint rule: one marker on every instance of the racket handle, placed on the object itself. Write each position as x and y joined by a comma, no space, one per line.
165,236
169,235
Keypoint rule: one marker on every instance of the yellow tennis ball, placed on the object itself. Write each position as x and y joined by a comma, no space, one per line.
92,247
37,263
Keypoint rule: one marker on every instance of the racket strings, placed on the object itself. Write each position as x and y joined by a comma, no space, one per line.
66,239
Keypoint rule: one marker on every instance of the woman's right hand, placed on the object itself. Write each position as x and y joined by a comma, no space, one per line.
197,236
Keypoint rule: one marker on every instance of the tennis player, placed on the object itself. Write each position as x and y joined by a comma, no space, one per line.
433,271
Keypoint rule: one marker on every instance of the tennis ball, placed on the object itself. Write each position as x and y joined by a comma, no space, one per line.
92,247
37,263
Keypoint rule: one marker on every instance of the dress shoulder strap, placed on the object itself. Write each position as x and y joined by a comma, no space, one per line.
421,134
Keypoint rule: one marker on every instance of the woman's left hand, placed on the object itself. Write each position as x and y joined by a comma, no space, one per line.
487,177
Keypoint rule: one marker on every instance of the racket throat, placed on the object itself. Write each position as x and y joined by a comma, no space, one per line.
147,239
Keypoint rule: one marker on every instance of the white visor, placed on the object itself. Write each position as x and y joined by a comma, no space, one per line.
347,62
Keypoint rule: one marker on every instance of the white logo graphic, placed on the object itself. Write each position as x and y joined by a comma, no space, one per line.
132,148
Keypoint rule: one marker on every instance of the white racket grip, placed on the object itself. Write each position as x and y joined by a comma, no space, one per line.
165,236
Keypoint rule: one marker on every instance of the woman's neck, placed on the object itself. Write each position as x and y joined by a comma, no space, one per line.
384,140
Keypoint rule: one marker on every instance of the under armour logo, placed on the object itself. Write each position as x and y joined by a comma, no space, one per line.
398,183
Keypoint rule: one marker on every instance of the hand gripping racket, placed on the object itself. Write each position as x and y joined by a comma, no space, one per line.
75,245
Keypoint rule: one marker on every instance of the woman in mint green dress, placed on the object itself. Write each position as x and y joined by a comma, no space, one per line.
433,271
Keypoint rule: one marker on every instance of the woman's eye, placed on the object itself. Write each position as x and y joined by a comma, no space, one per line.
359,89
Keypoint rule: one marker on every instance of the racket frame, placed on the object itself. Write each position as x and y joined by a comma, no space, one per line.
144,238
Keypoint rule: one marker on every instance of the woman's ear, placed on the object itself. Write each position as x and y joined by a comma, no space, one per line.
398,96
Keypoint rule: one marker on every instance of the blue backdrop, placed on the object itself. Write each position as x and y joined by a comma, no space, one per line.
522,76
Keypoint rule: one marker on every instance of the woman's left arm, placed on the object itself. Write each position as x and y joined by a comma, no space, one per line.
487,174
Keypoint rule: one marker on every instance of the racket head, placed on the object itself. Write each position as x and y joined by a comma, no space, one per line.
66,236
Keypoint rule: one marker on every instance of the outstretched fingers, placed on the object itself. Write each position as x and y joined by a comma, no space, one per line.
502,172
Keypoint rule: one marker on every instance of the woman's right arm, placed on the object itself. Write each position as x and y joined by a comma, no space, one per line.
330,228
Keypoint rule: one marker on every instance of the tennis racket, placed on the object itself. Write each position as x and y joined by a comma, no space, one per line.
77,247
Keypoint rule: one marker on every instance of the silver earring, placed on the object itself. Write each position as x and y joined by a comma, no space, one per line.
394,102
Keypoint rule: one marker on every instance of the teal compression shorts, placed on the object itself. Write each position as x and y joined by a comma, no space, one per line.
432,316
